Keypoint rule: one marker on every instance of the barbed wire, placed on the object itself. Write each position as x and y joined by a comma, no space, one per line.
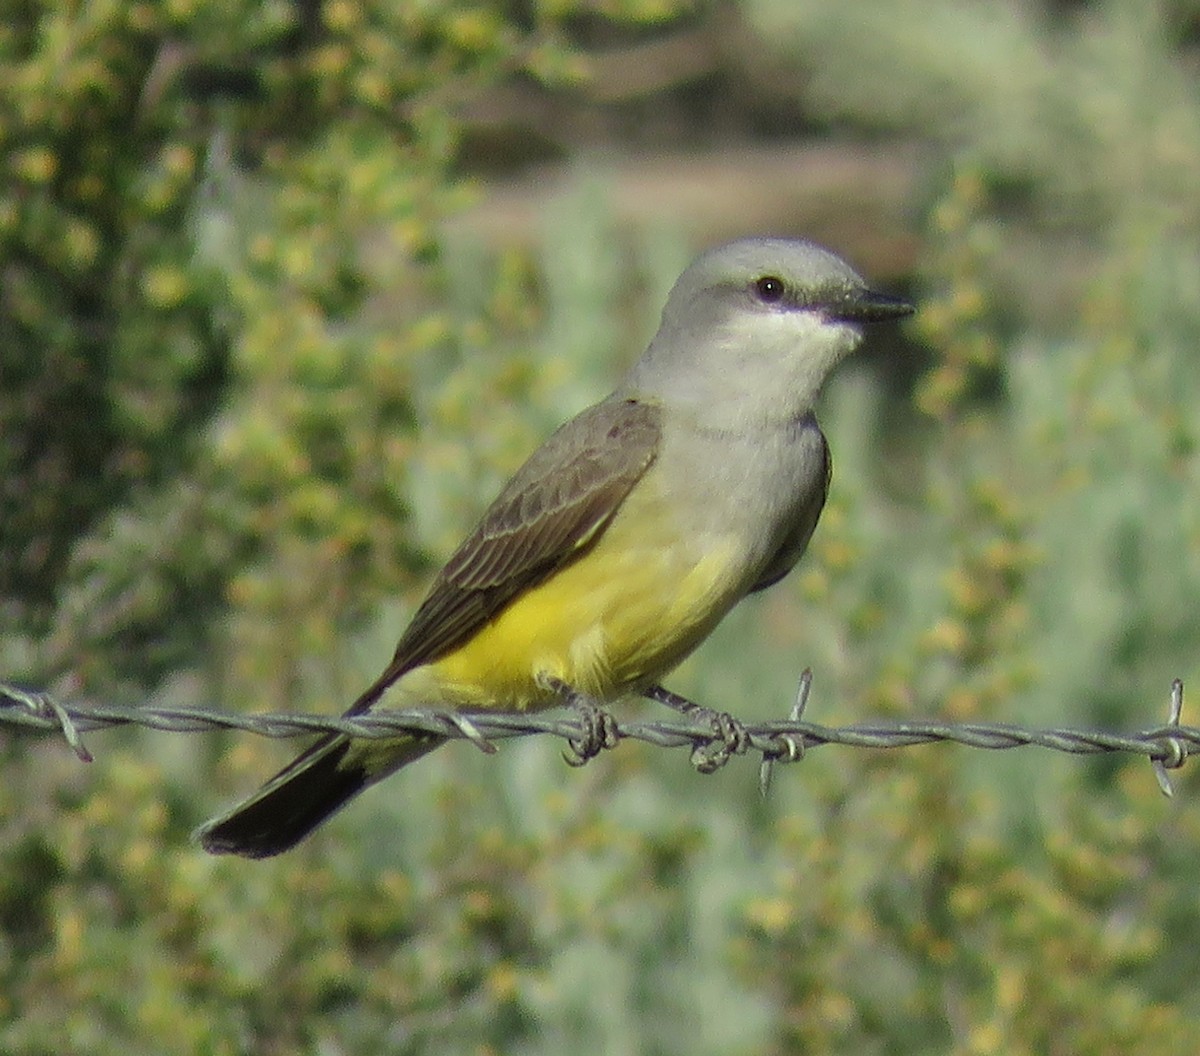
706,733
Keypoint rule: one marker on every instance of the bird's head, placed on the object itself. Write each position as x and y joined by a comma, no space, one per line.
752,328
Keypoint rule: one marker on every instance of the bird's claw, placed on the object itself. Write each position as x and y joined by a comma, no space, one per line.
729,739
599,732
729,735
599,728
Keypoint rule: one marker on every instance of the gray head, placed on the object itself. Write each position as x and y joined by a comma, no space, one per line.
751,329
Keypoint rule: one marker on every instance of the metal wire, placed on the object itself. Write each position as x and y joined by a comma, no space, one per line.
707,734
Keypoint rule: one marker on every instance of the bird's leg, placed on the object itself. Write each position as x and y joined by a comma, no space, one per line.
599,727
731,737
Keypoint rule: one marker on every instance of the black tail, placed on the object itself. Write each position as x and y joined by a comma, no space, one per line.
289,806
305,793
310,789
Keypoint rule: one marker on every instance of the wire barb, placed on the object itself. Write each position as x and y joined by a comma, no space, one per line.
471,733
1167,747
791,750
44,707
1175,751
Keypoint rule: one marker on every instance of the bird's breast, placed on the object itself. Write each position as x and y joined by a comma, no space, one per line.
688,542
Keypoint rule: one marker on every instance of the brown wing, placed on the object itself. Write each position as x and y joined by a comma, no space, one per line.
554,507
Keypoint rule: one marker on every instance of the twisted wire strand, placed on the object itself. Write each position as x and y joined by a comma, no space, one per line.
1167,746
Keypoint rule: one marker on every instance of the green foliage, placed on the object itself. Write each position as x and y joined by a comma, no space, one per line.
249,392
215,220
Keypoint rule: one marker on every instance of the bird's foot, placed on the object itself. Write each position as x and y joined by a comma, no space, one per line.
599,728
729,735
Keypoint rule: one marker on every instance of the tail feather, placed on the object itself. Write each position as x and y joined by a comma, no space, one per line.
305,793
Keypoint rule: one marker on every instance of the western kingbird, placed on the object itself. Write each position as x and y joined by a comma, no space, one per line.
624,539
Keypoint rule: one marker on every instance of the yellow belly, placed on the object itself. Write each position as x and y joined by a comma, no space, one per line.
613,622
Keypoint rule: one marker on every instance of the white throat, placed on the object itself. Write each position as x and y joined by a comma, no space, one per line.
755,370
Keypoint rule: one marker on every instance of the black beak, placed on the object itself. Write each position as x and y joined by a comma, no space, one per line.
866,306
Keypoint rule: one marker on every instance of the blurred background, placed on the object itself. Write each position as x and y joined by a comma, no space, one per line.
287,290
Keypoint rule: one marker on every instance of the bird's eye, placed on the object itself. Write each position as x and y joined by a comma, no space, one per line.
769,289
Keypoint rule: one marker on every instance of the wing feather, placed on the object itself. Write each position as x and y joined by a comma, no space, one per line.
554,507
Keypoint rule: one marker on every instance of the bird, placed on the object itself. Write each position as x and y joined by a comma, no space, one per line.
623,540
